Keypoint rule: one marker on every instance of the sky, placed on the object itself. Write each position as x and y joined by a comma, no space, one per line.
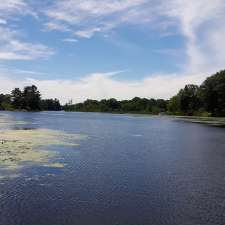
96,49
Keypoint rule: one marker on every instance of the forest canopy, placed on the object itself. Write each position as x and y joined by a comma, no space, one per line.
28,99
208,99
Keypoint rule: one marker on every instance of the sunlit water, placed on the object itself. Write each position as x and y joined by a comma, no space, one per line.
130,170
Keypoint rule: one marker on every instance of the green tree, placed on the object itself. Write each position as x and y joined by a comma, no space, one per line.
174,105
32,98
17,98
50,105
189,98
5,102
213,92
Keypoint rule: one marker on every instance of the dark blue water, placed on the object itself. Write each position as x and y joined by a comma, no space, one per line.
129,171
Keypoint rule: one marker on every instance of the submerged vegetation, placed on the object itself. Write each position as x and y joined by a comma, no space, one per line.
205,100
23,147
26,146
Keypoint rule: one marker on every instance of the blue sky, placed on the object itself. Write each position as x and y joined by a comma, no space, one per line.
79,49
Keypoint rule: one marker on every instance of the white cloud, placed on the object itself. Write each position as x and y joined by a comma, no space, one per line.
104,85
87,33
70,40
7,84
201,23
2,21
56,26
11,48
11,45
88,17
198,22
12,7
27,72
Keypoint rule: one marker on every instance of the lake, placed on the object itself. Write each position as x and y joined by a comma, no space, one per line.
126,170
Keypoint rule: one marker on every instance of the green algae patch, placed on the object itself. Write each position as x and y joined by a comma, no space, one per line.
22,147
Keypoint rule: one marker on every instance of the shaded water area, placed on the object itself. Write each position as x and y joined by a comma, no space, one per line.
103,169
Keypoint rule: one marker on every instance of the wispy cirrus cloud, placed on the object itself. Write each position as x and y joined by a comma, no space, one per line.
201,24
12,48
11,45
70,40
86,18
12,7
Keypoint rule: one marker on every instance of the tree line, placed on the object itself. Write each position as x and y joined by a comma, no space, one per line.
28,99
208,99
136,105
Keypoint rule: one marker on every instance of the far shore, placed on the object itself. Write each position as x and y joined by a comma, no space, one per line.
213,121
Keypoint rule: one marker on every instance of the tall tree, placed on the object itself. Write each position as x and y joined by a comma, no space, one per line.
32,98
189,98
174,105
5,102
213,92
50,105
17,98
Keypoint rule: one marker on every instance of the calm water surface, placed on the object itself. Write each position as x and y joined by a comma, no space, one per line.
131,170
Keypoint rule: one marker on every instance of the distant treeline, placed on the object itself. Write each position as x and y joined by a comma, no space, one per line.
208,99
136,105
29,99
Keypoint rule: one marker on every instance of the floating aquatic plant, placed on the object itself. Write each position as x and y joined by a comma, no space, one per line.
21,147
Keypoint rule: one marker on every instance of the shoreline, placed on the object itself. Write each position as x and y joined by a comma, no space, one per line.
213,121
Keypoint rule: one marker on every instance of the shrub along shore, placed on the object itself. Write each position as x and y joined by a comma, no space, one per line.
206,100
